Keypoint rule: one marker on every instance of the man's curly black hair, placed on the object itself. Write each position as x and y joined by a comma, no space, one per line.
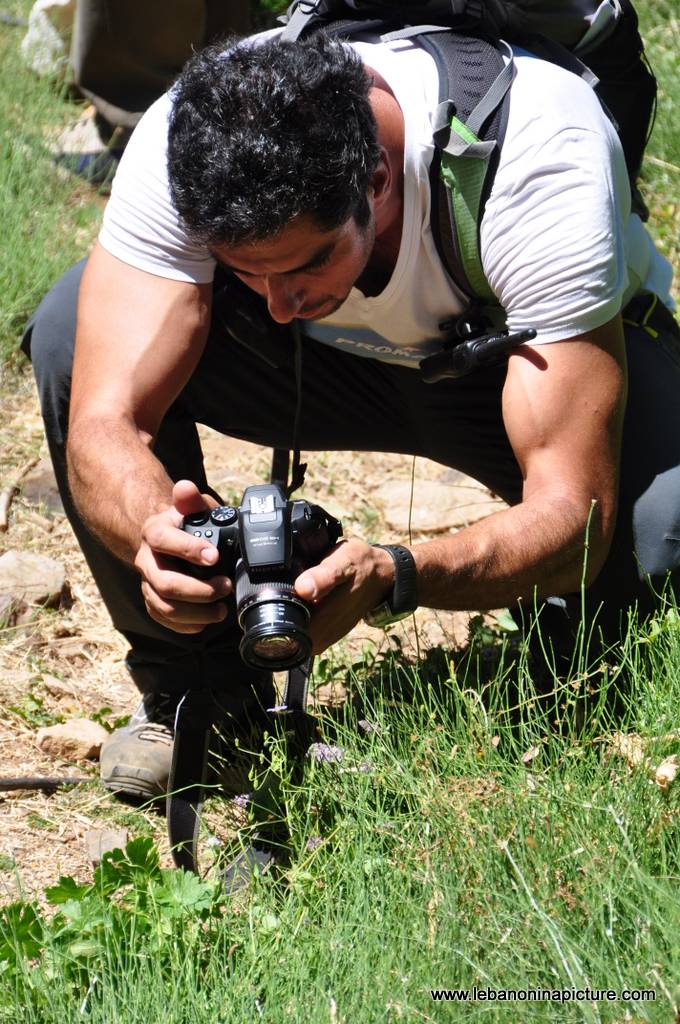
261,133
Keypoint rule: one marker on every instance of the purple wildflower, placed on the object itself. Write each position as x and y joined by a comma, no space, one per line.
322,753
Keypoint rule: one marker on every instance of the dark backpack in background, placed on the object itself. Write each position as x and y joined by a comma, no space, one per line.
598,41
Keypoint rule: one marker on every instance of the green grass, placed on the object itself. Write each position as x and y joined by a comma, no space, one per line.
458,842
48,220
660,26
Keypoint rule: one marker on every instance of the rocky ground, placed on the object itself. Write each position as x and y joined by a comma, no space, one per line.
60,659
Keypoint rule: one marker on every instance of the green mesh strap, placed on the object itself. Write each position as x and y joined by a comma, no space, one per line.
464,178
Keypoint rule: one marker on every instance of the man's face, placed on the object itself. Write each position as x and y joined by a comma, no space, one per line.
302,272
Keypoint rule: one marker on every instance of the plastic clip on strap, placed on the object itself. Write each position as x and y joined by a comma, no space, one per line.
302,13
474,354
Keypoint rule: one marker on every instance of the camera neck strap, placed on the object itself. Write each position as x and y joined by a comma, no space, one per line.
197,713
297,476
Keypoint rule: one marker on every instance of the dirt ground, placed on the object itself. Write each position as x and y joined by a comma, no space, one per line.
69,662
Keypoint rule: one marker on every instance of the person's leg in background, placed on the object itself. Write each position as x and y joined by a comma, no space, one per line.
459,423
646,544
124,55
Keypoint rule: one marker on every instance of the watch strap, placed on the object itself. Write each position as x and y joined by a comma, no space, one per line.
403,597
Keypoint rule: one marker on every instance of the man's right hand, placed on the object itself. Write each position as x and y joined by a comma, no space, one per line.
174,598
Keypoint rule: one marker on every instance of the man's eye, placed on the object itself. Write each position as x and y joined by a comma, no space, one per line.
320,263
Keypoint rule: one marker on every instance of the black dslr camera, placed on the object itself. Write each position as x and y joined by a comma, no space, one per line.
263,546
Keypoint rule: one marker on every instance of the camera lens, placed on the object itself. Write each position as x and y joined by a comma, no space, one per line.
274,621
276,647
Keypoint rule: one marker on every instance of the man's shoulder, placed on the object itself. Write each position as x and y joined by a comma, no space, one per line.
565,98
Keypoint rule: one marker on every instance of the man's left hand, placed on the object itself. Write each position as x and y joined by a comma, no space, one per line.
345,586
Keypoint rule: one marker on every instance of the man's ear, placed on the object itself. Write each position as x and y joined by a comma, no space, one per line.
382,181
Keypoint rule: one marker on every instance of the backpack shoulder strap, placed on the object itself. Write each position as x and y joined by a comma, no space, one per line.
469,127
474,83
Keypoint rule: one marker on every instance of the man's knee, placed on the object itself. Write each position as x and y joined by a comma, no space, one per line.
50,333
656,524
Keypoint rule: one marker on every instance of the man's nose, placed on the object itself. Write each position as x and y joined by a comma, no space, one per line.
283,301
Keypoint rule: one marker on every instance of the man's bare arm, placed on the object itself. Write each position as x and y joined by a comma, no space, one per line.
139,338
563,409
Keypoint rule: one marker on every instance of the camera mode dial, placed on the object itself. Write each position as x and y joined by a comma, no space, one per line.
223,515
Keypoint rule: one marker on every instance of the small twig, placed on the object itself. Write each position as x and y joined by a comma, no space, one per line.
42,522
661,163
47,784
8,493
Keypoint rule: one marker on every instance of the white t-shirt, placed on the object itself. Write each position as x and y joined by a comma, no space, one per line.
559,246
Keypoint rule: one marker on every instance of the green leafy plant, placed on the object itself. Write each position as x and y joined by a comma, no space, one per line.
132,908
105,717
31,709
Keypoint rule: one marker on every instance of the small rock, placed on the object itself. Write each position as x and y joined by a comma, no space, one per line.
666,772
32,578
454,476
101,841
437,506
45,46
75,740
39,488
57,687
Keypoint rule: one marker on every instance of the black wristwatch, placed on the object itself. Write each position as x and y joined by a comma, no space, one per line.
403,598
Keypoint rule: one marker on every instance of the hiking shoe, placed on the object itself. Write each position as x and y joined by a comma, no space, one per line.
135,760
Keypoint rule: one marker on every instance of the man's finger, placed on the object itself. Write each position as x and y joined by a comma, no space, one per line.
183,612
187,498
166,539
316,583
173,585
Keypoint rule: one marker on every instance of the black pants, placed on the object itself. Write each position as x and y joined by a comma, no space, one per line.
360,404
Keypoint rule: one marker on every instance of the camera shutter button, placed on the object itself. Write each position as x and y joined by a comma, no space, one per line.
196,519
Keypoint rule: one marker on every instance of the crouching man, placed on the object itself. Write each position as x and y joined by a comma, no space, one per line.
296,177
